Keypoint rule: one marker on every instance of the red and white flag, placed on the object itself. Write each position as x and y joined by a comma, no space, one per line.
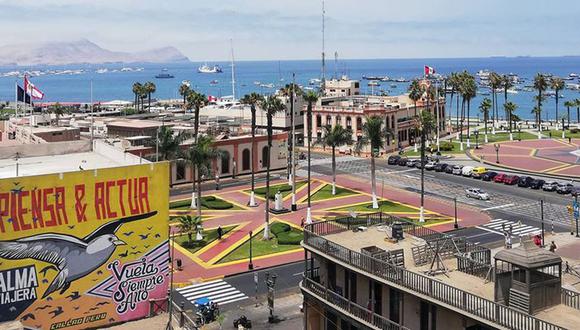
429,70
31,90
211,98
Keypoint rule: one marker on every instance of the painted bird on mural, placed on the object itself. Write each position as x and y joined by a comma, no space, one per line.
74,257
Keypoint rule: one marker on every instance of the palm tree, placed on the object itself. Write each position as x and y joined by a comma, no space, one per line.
189,225
196,101
310,98
200,156
373,135
557,85
137,91
577,103
454,81
568,105
468,90
142,96
540,84
336,137
169,142
484,107
510,109
184,91
271,106
252,100
506,83
425,123
415,93
149,88
494,83
58,110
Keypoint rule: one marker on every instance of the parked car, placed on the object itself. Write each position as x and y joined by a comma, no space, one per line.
440,167
476,193
488,176
537,183
511,179
550,186
477,172
499,178
457,169
525,181
403,161
575,191
419,164
393,160
466,170
449,169
430,166
564,188
412,162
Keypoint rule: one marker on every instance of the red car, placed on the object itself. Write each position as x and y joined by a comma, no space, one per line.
511,179
500,177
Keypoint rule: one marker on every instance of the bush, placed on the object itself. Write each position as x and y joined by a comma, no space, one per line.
444,146
217,204
279,227
290,237
273,189
575,130
179,204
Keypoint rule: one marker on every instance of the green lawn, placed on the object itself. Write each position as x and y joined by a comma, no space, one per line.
260,247
207,203
558,134
208,237
362,220
326,192
455,150
284,188
384,206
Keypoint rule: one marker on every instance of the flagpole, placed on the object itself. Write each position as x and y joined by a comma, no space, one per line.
16,98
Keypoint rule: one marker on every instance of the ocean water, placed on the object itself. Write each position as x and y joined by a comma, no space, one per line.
118,85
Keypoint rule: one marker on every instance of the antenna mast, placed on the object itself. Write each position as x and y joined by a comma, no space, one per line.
336,64
323,84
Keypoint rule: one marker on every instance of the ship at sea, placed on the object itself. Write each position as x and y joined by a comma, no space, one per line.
164,75
208,69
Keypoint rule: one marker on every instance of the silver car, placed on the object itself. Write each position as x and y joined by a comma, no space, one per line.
457,169
476,193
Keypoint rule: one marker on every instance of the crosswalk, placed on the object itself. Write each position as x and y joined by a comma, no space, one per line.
498,225
218,291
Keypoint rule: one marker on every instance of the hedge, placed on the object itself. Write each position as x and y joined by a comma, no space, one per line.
290,237
273,189
178,204
279,227
208,201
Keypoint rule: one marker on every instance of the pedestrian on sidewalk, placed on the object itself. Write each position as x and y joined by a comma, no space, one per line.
553,247
302,222
217,182
220,232
538,240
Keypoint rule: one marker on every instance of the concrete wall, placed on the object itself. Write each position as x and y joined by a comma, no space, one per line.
45,149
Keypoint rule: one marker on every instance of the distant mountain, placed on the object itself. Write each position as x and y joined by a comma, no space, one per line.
79,52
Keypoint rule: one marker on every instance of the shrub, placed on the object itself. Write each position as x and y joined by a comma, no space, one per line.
179,204
444,146
279,227
575,130
217,205
290,237
273,189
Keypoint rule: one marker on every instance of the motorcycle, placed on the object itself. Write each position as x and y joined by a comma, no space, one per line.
243,321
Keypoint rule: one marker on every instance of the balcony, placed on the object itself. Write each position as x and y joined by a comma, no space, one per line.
347,307
447,295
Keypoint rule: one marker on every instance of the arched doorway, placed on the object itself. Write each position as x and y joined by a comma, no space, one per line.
246,159
225,162
265,157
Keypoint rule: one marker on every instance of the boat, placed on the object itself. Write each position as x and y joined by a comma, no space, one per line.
207,69
573,75
314,81
214,82
401,80
102,70
164,75
257,83
186,83
267,85
373,83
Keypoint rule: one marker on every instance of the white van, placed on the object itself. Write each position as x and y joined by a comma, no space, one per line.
466,170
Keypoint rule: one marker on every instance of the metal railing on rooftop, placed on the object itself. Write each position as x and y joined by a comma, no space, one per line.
446,294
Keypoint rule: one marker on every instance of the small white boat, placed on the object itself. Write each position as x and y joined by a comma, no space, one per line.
207,69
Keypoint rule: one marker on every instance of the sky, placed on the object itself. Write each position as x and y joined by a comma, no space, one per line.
280,30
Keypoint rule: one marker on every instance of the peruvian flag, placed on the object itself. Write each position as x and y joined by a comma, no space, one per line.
429,70
211,98
31,90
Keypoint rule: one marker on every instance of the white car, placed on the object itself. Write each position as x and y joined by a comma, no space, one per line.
476,193
430,166
466,170
457,169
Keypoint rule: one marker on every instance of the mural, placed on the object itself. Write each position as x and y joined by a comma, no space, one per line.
83,249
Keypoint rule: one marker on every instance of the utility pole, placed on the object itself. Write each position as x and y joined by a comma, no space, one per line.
293,155
542,215
323,75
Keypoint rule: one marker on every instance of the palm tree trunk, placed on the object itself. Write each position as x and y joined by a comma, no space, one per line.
468,123
309,124
267,204
373,178
557,109
492,107
457,113
149,102
421,214
485,115
253,110
198,192
504,103
196,123
568,116
577,115
333,171
461,122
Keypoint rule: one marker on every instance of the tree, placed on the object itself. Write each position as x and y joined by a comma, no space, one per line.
494,83
310,99
468,90
149,88
271,106
557,85
415,93
137,91
58,110
454,81
373,135
335,137
200,156
196,101
252,99
484,107
169,142
577,103
184,91
189,225
425,123
506,83
540,84
568,105
510,109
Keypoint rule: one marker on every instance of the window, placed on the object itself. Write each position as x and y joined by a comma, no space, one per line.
328,121
179,171
225,162
348,123
394,304
318,121
265,159
246,160
359,123
338,120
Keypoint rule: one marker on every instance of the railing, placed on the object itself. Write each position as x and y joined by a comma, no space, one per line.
349,307
185,321
570,298
468,302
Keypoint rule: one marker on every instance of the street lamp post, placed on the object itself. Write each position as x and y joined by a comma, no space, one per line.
476,139
520,133
496,146
542,218
250,265
456,225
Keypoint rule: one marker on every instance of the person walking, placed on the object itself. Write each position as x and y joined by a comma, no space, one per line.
553,247
217,182
220,232
302,222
